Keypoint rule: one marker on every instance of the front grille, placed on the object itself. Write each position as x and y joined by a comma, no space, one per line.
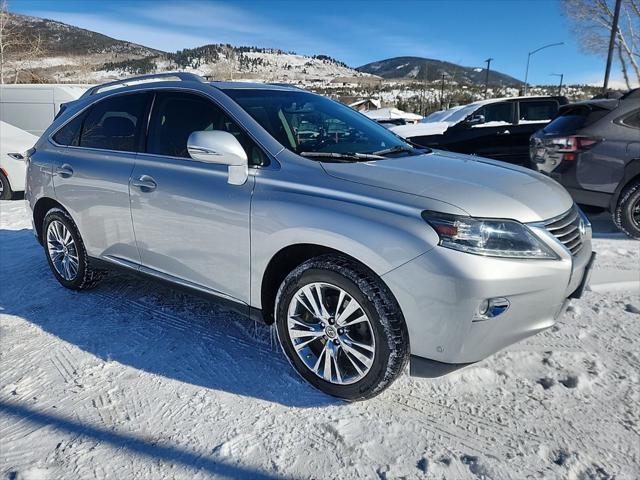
566,228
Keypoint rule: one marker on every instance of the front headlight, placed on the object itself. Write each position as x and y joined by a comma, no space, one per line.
487,236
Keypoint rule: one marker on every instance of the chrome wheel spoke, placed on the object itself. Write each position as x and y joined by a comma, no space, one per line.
360,319
326,372
352,343
340,352
366,361
315,309
349,310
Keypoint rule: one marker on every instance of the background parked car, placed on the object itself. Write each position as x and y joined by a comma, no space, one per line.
498,128
593,149
32,108
13,143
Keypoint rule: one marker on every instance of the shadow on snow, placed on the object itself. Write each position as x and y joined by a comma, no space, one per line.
151,327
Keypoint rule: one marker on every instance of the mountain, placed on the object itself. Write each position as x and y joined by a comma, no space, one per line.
58,38
71,54
418,68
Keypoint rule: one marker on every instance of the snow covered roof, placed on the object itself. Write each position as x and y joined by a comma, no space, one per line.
373,101
391,114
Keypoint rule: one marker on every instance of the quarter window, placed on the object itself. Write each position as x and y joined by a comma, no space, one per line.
69,135
177,115
114,123
632,120
538,111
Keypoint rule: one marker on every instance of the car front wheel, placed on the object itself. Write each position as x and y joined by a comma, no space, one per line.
341,328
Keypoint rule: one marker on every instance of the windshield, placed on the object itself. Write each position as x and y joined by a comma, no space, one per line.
308,123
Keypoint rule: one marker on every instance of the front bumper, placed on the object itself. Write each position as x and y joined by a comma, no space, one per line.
440,292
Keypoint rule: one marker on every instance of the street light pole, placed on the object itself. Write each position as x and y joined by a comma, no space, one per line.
612,42
526,74
561,75
486,80
442,91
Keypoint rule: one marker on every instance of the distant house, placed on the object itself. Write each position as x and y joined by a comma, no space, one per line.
366,104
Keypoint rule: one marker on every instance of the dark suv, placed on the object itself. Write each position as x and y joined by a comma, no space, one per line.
593,149
497,128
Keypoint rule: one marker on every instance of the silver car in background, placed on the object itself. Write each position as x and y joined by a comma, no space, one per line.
366,252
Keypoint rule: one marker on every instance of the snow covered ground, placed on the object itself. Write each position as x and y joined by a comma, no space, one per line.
134,380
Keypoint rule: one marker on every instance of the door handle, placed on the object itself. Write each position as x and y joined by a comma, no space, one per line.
145,183
504,132
64,170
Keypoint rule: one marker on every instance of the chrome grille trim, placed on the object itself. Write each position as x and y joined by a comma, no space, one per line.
566,229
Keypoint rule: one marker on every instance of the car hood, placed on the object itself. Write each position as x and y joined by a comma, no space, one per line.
479,186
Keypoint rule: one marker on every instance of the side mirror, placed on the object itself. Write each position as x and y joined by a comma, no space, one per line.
217,146
475,120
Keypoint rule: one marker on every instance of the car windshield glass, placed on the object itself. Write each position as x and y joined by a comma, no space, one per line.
307,123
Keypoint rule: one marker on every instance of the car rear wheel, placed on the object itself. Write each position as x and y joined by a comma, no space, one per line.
5,188
341,328
66,254
627,213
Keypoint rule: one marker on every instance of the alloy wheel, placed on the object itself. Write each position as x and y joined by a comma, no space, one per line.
62,250
635,213
331,333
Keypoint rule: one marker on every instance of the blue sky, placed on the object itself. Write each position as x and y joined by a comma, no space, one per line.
356,32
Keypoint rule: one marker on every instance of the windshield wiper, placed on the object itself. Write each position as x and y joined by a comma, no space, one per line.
394,149
343,156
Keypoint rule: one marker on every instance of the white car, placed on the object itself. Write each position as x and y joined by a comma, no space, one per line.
13,143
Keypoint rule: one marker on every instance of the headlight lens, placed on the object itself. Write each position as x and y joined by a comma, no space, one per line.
490,237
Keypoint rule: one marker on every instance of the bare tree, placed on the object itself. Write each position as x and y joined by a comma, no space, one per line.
18,50
592,20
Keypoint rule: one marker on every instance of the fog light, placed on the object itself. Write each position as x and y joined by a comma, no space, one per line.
491,308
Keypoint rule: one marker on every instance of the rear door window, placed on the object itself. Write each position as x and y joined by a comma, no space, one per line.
538,110
495,114
115,123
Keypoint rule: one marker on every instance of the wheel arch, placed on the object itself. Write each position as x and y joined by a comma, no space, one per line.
631,174
40,209
285,261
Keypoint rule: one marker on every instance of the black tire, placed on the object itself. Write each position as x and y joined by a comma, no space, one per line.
5,188
86,276
378,303
627,213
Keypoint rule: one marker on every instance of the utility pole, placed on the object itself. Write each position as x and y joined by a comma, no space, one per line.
526,73
442,92
612,43
561,75
486,79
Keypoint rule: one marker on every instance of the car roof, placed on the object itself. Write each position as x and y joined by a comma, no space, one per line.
506,99
254,86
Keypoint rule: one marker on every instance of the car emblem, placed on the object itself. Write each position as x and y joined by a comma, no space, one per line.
582,228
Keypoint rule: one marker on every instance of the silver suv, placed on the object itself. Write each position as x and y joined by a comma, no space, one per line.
364,251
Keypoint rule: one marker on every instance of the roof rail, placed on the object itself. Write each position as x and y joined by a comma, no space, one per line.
157,77
283,84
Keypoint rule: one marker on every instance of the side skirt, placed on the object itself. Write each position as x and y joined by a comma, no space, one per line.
170,281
